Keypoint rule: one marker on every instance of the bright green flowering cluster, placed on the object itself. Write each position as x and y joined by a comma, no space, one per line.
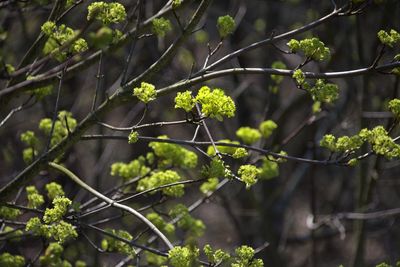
321,91
215,170
160,26
145,93
159,222
234,152
112,245
245,258
64,123
183,256
176,3
194,227
394,107
53,256
324,92
35,199
312,48
160,178
173,155
382,144
40,92
58,36
341,144
299,76
269,169
29,139
215,104
209,186
136,167
240,152
249,174
9,213
53,226
104,37
9,260
133,137
56,213
185,101
389,39
60,231
267,127
106,12
226,25
248,135
215,256
54,190
277,79
33,143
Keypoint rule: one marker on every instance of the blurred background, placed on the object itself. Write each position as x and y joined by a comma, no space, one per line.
288,211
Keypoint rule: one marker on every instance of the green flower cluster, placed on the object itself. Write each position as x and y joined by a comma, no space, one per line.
183,256
9,213
113,245
185,101
133,137
209,186
176,3
312,48
245,258
215,256
60,231
394,107
53,226
58,36
299,76
321,91
33,144
135,168
54,190
9,260
40,92
249,174
173,155
194,227
267,127
104,37
215,104
160,26
56,213
381,143
269,169
159,222
389,38
145,93
64,123
235,152
226,25
161,178
324,92
35,199
277,79
215,170
248,135
106,12
53,256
